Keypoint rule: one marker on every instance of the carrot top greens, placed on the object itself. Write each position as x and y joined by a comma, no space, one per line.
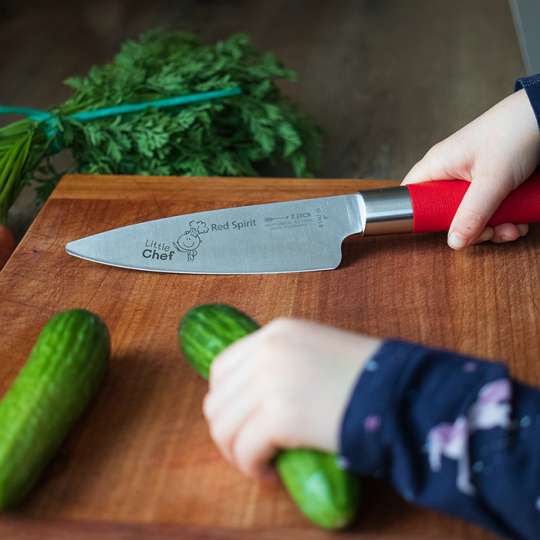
230,136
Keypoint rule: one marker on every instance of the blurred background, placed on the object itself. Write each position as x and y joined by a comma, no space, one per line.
384,78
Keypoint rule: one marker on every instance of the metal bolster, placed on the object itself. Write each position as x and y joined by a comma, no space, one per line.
387,211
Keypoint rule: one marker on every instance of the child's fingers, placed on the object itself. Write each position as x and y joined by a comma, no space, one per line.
253,449
230,358
231,389
503,233
478,205
506,232
226,426
486,236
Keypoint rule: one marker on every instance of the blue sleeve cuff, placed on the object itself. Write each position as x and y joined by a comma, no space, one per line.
373,398
532,88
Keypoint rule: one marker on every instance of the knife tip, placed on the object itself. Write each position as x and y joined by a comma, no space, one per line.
71,249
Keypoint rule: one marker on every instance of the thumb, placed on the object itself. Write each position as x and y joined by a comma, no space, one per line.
478,205
435,165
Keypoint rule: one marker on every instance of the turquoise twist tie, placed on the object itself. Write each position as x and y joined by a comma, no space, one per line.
52,122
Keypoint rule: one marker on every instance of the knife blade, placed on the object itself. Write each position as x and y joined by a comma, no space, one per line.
293,236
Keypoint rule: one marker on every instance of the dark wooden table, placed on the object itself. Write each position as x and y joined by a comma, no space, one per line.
384,79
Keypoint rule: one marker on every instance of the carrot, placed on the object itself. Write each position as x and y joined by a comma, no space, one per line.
7,244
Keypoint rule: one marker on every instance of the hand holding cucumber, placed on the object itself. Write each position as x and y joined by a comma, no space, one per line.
285,386
261,404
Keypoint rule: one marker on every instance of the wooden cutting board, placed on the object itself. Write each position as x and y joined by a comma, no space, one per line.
140,464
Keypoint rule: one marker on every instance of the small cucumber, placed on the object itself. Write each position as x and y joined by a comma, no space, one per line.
324,492
62,374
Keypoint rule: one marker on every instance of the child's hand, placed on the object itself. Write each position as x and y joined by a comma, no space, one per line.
284,386
496,153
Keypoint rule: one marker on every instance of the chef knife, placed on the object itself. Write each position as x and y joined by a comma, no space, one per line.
293,236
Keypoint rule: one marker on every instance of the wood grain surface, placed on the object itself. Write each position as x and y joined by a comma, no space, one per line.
30,529
142,454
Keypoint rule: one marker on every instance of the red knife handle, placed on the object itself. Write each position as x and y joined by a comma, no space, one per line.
435,204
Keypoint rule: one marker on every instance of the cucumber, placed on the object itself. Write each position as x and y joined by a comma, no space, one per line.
207,330
324,492
62,374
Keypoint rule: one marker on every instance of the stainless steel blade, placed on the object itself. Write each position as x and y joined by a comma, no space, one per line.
296,236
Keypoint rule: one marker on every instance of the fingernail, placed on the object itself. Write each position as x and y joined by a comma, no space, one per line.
456,241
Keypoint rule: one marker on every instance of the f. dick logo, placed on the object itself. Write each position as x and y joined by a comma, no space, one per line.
190,240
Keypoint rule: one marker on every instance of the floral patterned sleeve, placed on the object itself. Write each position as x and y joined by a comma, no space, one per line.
450,432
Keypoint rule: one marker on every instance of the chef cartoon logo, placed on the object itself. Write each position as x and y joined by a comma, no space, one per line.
190,240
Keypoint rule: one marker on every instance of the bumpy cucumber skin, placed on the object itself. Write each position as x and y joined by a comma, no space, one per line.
328,495
207,330
325,493
62,374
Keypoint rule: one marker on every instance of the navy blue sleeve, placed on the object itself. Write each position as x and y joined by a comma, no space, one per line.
449,432
532,88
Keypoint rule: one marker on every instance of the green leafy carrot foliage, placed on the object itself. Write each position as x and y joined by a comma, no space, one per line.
232,136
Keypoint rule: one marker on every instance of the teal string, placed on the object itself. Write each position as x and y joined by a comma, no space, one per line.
51,121
35,114
156,104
